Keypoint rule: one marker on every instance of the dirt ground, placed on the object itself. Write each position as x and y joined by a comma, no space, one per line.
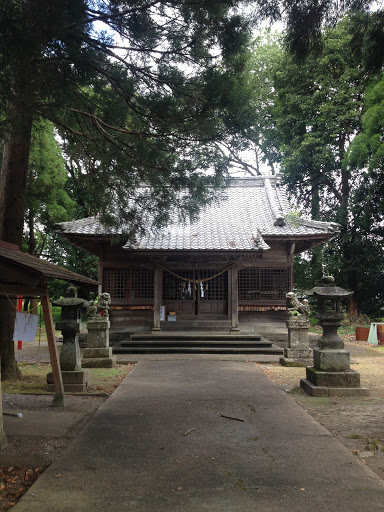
16,480
356,422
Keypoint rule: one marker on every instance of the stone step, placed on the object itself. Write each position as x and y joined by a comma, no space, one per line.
195,338
183,349
196,344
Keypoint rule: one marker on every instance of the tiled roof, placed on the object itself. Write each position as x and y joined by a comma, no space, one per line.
250,210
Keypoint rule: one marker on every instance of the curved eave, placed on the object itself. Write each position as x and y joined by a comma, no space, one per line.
302,242
91,243
196,252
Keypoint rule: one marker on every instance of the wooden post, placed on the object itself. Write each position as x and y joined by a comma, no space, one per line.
58,400
157,299
3,437
234,300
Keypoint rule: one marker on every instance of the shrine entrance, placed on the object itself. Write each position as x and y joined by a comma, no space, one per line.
196,292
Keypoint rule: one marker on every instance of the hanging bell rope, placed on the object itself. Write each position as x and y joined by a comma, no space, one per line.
196,281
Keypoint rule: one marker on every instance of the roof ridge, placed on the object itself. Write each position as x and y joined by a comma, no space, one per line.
274,203
333,227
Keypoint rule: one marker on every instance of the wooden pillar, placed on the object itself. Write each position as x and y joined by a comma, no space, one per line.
3,437
157,289
234,299
58,400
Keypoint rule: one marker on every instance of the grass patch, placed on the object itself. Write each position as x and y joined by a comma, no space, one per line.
34,377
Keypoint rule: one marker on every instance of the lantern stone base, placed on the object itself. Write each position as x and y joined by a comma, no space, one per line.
341,383
98,358
331,360
73,381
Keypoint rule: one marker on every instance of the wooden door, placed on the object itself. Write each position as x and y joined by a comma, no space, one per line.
196,292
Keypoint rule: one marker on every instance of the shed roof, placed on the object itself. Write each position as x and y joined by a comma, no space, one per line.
248,213
22,273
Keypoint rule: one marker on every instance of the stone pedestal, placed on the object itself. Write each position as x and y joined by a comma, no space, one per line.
331,374
74,381
298,341
70,358
98,353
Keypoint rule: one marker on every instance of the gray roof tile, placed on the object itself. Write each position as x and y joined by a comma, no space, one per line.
240,220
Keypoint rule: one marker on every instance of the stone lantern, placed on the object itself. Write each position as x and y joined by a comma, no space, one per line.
331,374
74,378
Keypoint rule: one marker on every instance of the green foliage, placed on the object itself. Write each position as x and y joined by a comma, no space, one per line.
314,112
47,201
307,21
157,115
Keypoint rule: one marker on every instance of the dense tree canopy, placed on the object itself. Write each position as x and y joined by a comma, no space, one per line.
139,87
312,127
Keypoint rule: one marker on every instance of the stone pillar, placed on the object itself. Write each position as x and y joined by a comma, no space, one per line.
234,300
70,359
331,374
98,353
157,289
298,341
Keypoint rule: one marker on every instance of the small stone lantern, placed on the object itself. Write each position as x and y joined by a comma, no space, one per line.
74,379
331,374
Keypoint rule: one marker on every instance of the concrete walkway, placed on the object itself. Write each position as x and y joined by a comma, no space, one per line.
169,439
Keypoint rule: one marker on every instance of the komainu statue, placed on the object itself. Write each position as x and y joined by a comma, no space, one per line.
94,309
295,307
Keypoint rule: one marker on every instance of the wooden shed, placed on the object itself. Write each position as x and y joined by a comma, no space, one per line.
23,274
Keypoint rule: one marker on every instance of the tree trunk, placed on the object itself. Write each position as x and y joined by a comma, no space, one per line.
9,368
316,253
353,310
13,177
12,203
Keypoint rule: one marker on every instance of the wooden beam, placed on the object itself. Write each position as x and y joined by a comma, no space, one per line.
234,272
3,438
157,299
14,290
58,399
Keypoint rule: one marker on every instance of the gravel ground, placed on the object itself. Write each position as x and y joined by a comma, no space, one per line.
357,422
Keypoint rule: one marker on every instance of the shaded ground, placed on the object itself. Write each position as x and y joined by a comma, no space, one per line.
356,422
27,456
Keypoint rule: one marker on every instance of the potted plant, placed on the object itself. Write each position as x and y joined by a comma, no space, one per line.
362,333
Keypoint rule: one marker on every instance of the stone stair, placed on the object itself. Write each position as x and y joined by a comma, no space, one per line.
207,343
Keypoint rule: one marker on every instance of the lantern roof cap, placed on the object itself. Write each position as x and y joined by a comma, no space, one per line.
70,298
329,290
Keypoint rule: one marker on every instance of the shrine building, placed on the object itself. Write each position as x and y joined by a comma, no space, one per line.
220,272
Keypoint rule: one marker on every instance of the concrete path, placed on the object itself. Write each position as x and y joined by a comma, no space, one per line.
169,439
